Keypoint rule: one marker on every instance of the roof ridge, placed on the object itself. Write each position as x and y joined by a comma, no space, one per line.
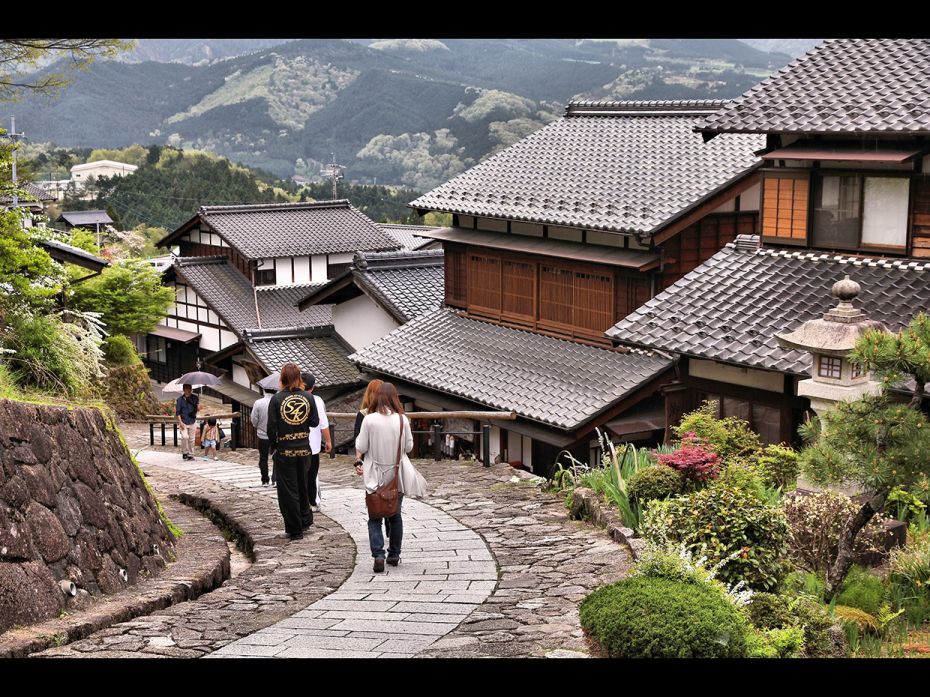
289,206
198,261
654,107
266,334
816,255
287,286
400,259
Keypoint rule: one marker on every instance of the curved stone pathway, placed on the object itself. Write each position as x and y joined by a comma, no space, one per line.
446,572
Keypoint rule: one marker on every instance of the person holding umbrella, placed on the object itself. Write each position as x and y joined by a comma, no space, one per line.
292,414
185,409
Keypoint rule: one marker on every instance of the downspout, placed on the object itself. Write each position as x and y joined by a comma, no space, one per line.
253,265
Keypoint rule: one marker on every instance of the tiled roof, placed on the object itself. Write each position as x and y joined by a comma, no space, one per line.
556,382
265,231
408,283
76,218
841,86
28,192
406,235
230,295
322,354
619,166
730,307
75,255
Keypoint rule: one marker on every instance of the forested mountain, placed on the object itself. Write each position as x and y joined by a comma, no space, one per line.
793,47
400,112
194,51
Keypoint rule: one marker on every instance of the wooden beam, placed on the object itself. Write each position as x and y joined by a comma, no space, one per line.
707,206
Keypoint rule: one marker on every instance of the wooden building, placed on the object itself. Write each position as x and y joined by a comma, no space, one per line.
845,190
553,241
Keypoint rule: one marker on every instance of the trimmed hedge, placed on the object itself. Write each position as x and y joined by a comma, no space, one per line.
643,617
657,482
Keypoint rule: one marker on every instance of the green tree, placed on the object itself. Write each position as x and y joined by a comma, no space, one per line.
19,58
874,441
128,294
29,279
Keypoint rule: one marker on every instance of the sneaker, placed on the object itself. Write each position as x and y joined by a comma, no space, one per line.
393,561
296,536
266,483
379,566
315,509
215,457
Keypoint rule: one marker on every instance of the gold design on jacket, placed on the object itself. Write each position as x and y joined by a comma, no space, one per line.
295,410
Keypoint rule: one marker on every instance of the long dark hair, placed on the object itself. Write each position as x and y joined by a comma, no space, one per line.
290,377
386,399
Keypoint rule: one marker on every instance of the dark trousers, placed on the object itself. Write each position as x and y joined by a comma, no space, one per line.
313,469
394,526
292,492
263,458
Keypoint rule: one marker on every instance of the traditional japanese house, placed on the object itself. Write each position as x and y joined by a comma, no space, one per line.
554,240
239,276
379,292
845,189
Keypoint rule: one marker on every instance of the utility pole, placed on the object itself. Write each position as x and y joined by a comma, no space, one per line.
14,137
334,172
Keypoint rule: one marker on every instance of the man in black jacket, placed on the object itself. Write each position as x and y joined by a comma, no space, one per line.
292,414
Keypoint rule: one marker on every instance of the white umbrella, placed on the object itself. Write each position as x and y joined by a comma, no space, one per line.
177,385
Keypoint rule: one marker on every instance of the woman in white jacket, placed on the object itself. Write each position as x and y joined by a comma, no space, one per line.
384,425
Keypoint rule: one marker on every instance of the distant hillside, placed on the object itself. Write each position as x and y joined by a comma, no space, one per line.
793,47
194,51
170,185
402,112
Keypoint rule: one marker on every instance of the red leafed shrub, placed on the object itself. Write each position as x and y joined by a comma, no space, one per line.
694,459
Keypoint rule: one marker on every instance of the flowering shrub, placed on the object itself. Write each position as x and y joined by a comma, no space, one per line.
693,459
815,523
731,438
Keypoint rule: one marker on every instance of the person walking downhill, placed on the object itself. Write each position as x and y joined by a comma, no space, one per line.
210,437
318,436
382,428
259,420
185,409
291,416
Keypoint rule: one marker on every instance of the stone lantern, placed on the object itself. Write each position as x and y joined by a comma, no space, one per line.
829,341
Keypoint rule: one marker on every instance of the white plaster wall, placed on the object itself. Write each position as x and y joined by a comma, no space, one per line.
301,269
749,199
747,377
528,451
726,207
360,322
318,268
495,441
239,376
227,339
344,258
209,338
283,274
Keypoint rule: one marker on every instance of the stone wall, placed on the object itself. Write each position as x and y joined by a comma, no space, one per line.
73,507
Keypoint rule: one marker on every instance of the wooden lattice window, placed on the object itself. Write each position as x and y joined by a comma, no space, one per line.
519,286
556,301
484,282
456,280
593,301
784,206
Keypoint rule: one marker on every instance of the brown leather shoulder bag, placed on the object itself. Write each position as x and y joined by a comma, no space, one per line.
383,501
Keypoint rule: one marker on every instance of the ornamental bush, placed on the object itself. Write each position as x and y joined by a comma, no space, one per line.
119,350
694,460
815,522
731,438
780,467
725,522
657,482
862,590
642,617
769,612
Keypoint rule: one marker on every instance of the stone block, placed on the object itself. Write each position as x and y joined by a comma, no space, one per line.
48,535
15,536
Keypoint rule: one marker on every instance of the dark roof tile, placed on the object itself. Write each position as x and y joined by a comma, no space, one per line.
730,307
618,166
840,86
555,382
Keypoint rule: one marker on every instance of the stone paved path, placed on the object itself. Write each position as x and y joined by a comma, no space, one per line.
446,572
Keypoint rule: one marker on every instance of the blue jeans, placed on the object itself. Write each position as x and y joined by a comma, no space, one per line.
395,531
